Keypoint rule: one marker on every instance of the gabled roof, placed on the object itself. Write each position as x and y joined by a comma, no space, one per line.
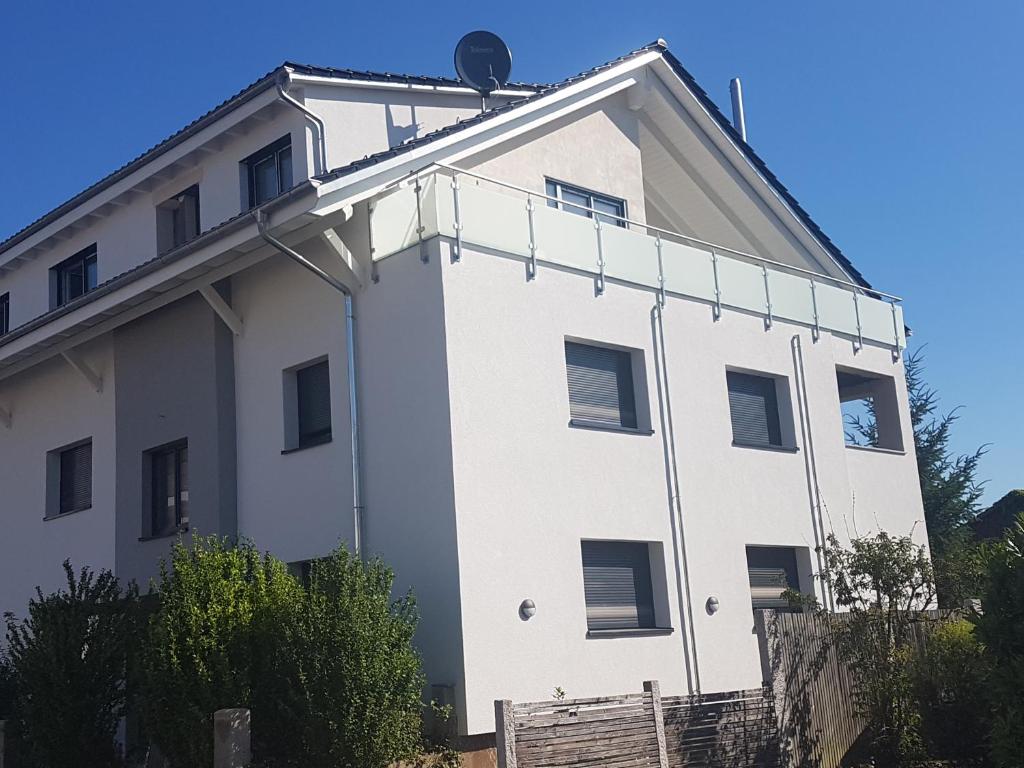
691,84
233,102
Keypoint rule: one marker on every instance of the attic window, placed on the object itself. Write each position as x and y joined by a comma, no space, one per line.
269,171
177,219
610,210
73,277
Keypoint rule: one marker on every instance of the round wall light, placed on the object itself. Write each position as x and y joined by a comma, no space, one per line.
527,609
711,606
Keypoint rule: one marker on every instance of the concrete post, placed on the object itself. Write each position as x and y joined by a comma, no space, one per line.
505,734
231,745
652,687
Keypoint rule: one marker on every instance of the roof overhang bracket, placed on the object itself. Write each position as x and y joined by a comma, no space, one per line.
636,95
352,270
76,361
222,308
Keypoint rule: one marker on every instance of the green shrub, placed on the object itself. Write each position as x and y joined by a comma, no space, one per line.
360,675
1001,629
69,658
951,682
223,611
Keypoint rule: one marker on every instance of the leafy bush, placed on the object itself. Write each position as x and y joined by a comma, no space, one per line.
222,610
1001,629
69,658
356,668
885,583
951,682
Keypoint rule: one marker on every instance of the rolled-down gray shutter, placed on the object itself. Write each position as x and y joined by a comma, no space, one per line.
76,478
600,385
313,385
617,583
771,570
754,408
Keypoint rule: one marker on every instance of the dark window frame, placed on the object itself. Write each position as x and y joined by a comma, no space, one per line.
639,552
174,208
60,273
178,453
67,494
5,313
275,150
740,384
556,189
322,433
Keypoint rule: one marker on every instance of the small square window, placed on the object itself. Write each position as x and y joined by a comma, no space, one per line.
601,391
269,171
5,313
307,391
69,479
754,409
771,572
73,277
583,202
871,414
169,497
617,585
178,219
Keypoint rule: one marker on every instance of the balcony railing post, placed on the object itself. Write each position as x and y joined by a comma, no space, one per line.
424,257
718,288
531,268
767,296
898,350
856,311
457,256
661,271
600,256
816,331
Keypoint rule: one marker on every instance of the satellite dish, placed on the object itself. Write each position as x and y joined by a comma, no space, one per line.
483,61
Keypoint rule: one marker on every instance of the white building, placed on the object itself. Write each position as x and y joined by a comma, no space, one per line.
617,411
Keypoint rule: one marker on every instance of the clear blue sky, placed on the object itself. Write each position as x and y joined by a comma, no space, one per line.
895,124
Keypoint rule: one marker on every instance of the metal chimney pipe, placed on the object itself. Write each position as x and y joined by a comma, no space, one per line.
736,91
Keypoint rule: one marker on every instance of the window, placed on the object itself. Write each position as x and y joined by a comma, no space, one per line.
169,482
871,415
610,210
269,171
74,479
772,570
600,386
74,277
617,585
177,219
5,313
754,409
307,391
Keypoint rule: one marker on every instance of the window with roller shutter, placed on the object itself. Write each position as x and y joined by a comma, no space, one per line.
617,585
75,481
754,409
600,386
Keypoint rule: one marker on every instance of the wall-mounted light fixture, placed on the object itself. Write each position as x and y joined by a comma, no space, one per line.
527,609
711,606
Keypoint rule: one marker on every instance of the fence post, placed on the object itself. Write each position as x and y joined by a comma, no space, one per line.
505,733
2,724
652,687
231,744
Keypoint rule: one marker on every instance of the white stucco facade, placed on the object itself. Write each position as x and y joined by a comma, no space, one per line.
473,484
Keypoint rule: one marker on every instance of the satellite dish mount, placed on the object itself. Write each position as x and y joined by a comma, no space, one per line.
483,62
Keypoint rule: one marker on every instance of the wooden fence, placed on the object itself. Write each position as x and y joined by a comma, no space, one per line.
735,729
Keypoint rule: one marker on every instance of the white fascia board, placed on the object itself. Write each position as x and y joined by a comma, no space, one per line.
367,181
744,165
301,79
154,166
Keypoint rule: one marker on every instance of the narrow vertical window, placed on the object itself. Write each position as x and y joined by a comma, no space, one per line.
75,492
313,387
5,313
169,479
178,219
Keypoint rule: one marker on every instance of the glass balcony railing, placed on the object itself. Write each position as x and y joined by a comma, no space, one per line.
475,210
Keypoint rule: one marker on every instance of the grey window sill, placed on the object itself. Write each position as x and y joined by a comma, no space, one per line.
170,534
635,632
310,444
599,427
69,513
775,448
876,449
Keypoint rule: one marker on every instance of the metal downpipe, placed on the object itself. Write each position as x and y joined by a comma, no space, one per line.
353,393
282,91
